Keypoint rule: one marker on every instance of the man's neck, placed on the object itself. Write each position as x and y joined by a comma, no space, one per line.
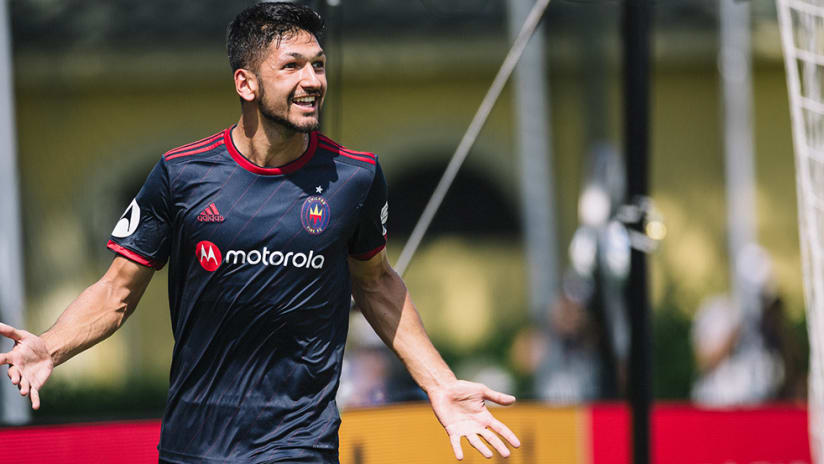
268,145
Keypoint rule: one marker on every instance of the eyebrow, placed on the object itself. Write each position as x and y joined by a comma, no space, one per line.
298,55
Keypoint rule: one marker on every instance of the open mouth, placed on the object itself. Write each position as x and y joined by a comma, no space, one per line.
306,101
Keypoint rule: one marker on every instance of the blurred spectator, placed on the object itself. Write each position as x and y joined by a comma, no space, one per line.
569,372
778,337
365,373
528,350
730,373
371,374
364,379
744,362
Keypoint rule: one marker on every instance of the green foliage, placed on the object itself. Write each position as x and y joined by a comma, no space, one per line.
136,398
673,365
799,335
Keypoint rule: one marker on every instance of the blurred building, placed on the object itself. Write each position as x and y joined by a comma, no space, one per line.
104,87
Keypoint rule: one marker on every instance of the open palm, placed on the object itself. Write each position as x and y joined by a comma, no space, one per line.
29,362
462,411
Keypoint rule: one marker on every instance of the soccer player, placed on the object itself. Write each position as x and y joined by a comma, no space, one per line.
267,227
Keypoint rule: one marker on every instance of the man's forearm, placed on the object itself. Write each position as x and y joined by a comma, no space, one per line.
459,405
97,313
389,309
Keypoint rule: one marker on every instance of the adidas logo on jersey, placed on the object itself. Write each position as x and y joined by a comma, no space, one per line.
210,214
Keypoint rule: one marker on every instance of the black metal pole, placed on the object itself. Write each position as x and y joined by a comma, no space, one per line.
636,133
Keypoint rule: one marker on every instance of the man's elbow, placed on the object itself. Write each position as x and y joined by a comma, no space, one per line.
379,280
118,300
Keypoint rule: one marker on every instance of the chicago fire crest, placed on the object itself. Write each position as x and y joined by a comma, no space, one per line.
314,215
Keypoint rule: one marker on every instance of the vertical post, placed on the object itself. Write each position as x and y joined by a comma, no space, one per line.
14,408
534,152
606,171
636,134
335,30
332,12
736,87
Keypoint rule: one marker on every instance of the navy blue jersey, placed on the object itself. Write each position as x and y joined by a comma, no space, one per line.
258,290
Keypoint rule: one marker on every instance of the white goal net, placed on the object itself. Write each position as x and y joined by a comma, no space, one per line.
802,34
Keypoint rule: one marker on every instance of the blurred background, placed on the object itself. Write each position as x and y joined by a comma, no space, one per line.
102,88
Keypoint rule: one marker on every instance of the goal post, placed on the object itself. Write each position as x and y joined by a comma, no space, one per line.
801,23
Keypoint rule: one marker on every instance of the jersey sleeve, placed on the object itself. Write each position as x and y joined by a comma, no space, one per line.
142,232
370,233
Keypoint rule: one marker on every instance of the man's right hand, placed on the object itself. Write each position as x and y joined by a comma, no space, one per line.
30,363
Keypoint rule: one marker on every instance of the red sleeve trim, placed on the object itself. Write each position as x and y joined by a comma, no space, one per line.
369,254
125,252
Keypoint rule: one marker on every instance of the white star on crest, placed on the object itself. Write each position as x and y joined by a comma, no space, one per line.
319,189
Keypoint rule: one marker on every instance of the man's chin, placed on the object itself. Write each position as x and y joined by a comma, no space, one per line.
303,126
307,127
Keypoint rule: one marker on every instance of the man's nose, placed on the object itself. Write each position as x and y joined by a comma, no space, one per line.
309,76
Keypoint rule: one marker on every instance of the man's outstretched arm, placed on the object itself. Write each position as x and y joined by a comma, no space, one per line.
94,315
459,405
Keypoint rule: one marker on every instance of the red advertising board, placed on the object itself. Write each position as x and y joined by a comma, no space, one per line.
684,434
132,442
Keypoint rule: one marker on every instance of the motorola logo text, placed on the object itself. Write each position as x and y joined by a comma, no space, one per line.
210,257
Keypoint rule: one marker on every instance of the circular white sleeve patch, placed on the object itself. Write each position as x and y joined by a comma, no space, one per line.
128,221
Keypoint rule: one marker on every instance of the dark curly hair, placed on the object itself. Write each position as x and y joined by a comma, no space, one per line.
254,28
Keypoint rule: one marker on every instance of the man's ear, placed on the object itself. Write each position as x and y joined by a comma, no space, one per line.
246,84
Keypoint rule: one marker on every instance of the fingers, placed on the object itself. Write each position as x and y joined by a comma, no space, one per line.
497,397
496,442
24,386
5,358
456,446
35,399
10,332
504,431
14,375
479,445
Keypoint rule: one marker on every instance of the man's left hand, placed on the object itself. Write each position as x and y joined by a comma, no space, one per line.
461,409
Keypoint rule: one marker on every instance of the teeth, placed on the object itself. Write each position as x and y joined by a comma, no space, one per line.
305,100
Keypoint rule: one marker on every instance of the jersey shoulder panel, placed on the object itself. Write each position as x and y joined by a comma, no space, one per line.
202,148
345,155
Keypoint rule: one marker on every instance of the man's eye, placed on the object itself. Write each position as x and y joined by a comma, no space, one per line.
290,66
319,64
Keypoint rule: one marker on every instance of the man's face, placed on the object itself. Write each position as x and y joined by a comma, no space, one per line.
292,82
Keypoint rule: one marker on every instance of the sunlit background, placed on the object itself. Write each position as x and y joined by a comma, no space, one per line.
103,88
